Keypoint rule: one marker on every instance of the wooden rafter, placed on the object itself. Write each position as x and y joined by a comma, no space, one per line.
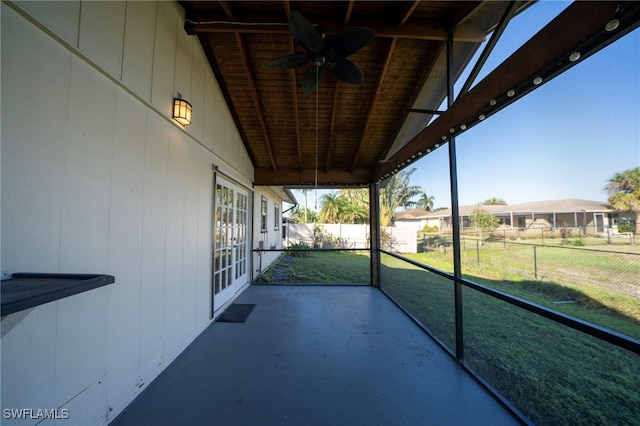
347,15
412,29
226,7
306,177
374,98
407,12
242,48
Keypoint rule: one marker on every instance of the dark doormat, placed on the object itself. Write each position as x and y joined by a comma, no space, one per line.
238,312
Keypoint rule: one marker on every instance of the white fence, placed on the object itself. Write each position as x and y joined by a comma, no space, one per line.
325,235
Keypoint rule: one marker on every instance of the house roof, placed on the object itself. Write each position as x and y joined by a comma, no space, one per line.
570,205
358,135
412,214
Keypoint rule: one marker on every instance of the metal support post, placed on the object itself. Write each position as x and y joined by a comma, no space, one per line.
455,213
374,233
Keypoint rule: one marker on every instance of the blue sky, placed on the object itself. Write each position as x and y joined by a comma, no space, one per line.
564,140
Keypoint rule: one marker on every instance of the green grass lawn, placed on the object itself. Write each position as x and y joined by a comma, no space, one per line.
327,267
600,287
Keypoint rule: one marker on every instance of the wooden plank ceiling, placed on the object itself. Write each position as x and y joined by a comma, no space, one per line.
356,135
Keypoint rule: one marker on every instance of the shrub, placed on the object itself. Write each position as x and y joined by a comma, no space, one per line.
387,241
579,242
430,229
298,246
627,226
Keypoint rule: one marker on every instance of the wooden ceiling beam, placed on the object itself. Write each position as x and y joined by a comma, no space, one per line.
372,103
287,8
406,14
226,7
242,48
306,177
415,29
347,15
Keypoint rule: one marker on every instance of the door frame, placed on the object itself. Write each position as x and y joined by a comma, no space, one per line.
220,178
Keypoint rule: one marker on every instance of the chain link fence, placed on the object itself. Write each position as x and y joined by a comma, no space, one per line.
571,266
574,263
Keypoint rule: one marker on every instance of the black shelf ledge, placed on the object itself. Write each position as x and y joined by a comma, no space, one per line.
25,290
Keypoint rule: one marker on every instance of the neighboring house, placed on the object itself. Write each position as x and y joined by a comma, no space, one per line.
416,219
589,217
97,178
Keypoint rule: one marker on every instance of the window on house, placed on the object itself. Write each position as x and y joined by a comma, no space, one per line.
276,214
263,215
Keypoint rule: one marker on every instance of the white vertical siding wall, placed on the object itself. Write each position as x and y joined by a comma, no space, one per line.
272,238
96,178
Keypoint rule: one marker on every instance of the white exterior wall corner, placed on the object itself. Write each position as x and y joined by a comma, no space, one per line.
96,178
272,238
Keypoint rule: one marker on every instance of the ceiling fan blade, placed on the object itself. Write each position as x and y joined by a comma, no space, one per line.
348,41
304,33
312,79
288,62
347,71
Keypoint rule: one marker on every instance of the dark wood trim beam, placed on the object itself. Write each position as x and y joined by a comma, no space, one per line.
242,48
287,8
372,103
495,36
347,15
579,28
417,29
306,177
374,233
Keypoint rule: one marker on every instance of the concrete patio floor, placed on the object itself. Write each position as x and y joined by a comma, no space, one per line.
324,355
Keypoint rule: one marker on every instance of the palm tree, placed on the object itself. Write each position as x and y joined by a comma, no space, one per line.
425,202
331,206
302,214
624,192
397,193
354,212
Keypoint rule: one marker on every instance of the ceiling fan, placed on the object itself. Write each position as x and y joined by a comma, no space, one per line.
328,56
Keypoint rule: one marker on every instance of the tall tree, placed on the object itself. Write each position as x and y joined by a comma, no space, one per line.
302,214
354,212
331,205
624,192
359,196
397,193
483,220
425,202
494,202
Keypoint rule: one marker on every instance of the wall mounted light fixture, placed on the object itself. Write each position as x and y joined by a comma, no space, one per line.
182,111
